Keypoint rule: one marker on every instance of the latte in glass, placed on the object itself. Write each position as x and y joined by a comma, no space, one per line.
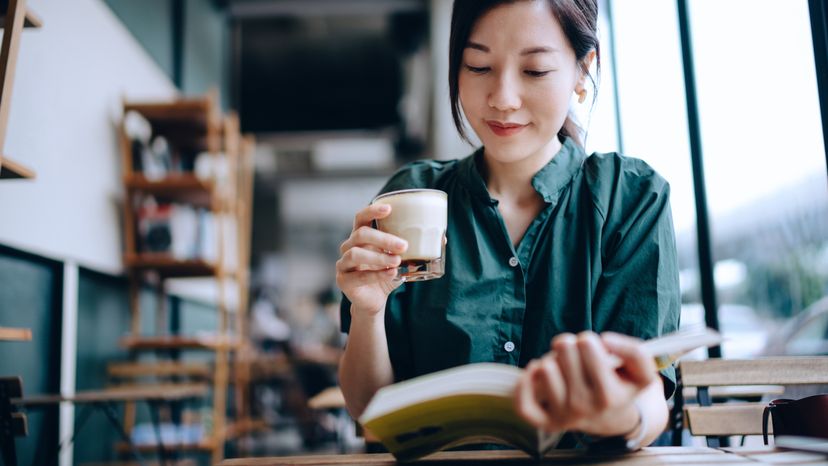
418,216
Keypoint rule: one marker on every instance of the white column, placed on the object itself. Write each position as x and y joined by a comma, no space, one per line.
68,356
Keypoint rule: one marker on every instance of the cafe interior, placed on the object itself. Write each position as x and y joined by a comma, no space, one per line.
182,306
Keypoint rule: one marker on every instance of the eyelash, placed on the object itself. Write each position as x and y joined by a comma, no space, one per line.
477,70
486,69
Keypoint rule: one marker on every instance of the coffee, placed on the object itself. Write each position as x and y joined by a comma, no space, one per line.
419,216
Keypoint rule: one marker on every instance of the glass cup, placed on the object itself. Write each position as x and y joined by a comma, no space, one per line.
418,216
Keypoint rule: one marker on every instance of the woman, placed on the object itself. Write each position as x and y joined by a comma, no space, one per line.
548,248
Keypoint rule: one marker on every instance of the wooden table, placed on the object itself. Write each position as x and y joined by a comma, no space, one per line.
684,456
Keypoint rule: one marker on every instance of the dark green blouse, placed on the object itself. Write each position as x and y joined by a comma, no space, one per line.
600,256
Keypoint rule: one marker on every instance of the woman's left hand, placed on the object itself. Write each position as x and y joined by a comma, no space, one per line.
578,386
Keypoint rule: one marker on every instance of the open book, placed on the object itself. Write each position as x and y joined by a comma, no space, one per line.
473,404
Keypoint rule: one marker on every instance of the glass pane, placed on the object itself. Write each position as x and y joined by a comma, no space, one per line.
764,163
598,117
654,120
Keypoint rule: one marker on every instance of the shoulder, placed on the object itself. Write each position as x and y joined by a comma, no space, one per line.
422,174
616,180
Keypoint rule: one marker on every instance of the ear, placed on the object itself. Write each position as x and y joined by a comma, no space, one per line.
587,62
580,90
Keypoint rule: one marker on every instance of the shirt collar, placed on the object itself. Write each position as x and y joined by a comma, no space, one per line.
548,181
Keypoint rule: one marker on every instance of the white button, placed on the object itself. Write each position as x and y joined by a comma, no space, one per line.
513,262
509,346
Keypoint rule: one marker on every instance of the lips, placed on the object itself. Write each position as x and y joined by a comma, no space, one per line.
504,128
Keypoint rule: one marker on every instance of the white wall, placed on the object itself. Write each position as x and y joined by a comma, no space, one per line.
71,75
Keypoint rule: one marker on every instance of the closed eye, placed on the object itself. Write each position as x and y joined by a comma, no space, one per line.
537,74
478,69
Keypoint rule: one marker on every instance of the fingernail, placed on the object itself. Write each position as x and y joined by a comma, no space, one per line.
401,244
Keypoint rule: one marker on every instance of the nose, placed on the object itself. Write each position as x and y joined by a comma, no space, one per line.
505,95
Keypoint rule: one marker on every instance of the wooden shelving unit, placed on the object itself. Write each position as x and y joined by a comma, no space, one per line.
14,16
193,127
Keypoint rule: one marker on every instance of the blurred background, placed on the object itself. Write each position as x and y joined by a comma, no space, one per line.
721,97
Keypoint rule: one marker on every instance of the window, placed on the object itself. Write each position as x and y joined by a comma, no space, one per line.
762,147
764,163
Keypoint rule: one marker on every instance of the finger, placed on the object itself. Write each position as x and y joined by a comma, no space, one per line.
373,212
552,383
526,404
367,236
600,375
356,279
637,364
360,259
578,399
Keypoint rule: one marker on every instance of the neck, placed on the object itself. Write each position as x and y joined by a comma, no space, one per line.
514,179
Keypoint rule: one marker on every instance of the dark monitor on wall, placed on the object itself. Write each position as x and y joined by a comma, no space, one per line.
318,74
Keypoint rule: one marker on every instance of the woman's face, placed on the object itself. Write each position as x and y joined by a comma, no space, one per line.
516,80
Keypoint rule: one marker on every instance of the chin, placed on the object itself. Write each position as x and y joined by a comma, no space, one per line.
509,152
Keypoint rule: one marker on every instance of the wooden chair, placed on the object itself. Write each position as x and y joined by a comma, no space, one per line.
714,420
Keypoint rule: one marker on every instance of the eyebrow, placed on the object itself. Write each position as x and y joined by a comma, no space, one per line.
526,51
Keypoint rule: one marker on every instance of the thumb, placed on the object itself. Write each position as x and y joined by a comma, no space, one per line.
637,365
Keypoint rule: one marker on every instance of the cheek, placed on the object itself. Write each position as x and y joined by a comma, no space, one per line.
471,103
551,102
466,93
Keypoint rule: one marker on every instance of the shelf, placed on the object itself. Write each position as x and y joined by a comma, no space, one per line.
168,266
174,342
243,427
9,170
15,334
183,187
181,114
133,370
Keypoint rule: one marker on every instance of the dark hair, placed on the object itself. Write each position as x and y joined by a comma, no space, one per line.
578,18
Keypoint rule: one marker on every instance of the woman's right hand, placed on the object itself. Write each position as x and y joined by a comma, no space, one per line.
367,269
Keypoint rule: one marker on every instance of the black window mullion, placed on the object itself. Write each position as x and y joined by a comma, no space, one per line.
705,251
819,33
